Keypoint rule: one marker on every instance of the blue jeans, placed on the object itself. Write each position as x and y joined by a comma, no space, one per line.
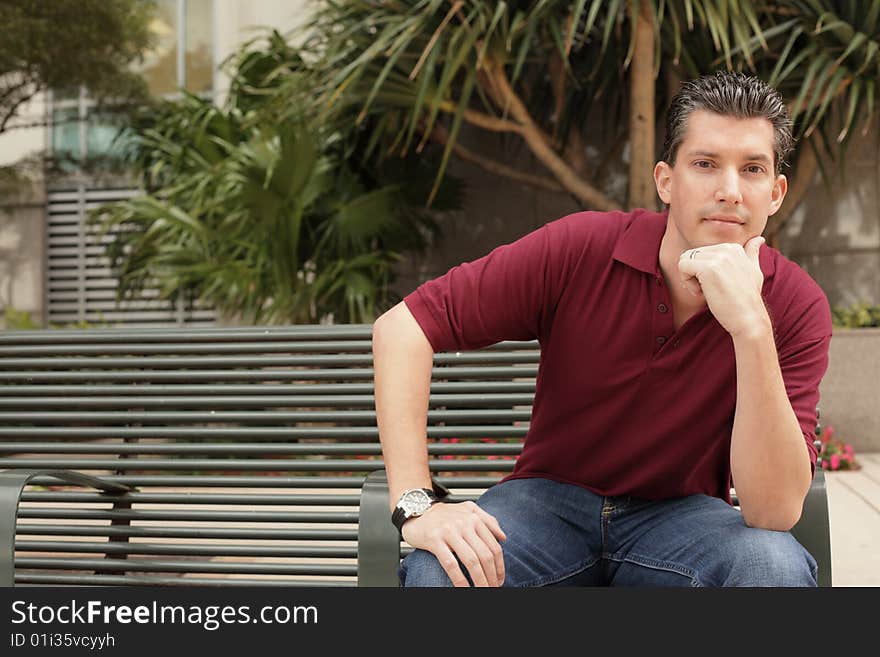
565,535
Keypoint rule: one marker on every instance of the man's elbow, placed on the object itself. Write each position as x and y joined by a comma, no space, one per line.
776,518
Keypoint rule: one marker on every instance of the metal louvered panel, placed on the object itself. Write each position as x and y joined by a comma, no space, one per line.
80,287
248,447
83,547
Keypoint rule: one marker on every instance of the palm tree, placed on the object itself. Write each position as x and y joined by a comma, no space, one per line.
557,76
536,70
293,200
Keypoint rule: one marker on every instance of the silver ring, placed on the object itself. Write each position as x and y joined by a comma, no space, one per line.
693,253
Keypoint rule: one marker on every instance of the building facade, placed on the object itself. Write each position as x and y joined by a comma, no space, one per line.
52,268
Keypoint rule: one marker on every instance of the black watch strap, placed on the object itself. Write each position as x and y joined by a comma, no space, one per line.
398,517
437,492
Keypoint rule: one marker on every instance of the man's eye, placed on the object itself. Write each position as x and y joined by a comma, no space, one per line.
755,169
702,164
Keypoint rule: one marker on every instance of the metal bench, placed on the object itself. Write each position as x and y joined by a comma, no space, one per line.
237,456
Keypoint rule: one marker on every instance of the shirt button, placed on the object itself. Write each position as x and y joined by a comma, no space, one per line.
661,340
662,308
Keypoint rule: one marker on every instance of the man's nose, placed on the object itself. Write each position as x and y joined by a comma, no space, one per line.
728,190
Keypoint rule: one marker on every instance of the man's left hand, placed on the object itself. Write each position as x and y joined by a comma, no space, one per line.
730,278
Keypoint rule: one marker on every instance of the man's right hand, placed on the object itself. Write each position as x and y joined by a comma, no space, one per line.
465,530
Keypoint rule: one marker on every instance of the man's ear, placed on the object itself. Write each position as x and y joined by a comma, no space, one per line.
663,181
777,194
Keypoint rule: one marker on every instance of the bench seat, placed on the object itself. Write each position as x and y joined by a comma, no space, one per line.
237,456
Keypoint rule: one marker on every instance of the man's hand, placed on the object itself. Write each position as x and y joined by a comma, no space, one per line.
462,529
730,278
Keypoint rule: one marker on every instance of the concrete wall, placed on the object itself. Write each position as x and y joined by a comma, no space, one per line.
18,142
835,233
22,212
850,401
496,211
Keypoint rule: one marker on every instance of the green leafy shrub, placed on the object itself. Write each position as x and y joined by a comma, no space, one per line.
264,209
858,315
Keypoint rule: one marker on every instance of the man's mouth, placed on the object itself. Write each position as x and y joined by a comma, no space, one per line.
725,219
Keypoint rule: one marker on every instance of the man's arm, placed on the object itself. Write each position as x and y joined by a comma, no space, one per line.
509,294
769,460
402,362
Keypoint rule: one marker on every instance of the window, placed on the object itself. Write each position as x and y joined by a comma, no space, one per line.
182,58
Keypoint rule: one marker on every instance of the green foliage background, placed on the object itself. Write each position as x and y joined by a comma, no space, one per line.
292,201
263,210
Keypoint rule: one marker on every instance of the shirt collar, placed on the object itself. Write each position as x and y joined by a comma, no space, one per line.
639,245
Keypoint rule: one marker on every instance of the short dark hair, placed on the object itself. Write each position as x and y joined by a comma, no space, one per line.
729,94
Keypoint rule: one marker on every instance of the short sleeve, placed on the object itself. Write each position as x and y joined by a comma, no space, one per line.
509,294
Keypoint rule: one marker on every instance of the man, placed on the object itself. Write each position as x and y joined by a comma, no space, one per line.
678,354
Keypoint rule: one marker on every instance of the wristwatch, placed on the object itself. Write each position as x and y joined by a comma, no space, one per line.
414,502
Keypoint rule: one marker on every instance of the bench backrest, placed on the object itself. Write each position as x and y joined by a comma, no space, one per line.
247,448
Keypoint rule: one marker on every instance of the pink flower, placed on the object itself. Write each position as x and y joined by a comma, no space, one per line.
835,461
827,434
848,449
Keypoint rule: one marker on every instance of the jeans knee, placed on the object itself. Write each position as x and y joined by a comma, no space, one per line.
769,558
422,569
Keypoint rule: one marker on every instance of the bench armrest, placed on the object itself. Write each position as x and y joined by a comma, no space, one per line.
813,530
12,482
379,544
378,540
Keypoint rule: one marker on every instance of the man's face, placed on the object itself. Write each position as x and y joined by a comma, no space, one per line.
722,187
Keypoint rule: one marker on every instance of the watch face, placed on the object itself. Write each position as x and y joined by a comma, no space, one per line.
414,502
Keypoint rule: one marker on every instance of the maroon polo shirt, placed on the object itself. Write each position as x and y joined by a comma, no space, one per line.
624,404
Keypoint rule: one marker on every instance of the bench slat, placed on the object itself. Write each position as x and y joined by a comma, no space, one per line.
48,579
301,392
189,549
219,376
253,465
241,449
245,533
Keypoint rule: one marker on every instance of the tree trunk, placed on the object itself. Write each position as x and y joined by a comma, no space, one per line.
642,193
499,89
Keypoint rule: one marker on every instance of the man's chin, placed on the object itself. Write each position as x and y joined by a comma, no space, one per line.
714,238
